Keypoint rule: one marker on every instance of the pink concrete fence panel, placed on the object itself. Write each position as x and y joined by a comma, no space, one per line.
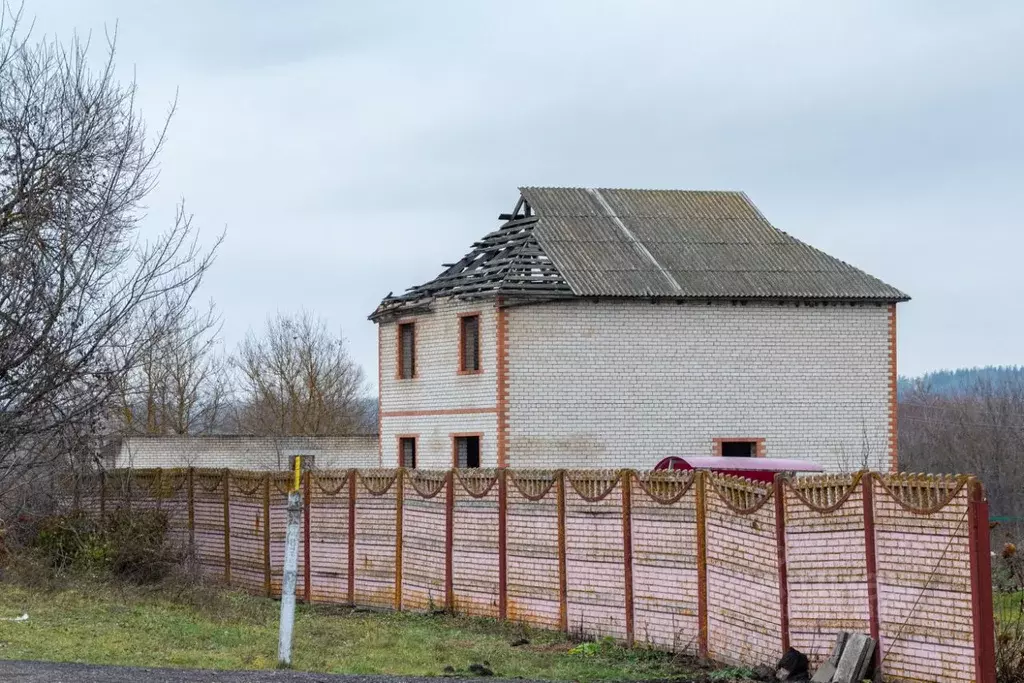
691,562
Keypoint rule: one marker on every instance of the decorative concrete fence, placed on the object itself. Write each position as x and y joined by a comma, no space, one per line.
694,562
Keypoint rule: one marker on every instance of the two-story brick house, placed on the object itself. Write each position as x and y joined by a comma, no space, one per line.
613,328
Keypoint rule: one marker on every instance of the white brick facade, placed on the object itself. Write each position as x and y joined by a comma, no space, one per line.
627,383
439,402
247,452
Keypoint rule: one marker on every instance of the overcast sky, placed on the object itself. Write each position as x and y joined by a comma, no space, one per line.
350,148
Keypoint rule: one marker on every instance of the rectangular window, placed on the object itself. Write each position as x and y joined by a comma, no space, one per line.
467,451
469,343
407,452
739,449
407,351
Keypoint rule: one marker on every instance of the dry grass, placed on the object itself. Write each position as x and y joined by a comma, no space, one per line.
181,624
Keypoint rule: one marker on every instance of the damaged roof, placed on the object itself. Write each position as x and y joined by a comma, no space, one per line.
675,244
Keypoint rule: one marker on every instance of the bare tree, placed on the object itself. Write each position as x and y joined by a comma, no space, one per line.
81,292
180,383
978,431
298,380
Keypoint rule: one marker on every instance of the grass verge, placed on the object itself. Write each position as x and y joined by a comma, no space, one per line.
200,627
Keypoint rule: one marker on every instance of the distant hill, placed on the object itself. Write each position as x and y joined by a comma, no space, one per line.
957,381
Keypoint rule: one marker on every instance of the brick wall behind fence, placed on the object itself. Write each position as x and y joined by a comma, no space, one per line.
697,563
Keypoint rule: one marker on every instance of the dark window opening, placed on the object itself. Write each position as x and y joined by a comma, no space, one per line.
407,452
469,343
407,350
739,449
467,451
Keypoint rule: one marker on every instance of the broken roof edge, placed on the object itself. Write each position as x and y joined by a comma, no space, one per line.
409,307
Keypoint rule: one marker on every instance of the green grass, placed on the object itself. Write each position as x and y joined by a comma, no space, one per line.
103,623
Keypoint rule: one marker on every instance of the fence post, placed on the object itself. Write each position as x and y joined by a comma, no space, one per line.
502,544
780,552
449,538
627,549
266,536
352,537
157,488
191,510
399,505
227,526
563,591
307,571
702,564
981,583
871,564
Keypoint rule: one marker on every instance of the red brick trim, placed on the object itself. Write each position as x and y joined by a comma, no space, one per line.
398,445
398,349
479,343
502,380
893,383
759,447
380,393
445,411
455,454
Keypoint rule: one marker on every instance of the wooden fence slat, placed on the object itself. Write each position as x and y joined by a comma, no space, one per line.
352,537
267,583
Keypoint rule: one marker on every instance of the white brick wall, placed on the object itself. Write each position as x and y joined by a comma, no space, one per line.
625,384
439,402
247,452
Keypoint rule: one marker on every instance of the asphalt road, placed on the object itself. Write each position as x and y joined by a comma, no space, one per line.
47,672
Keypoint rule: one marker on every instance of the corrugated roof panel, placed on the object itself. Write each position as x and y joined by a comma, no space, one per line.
712,244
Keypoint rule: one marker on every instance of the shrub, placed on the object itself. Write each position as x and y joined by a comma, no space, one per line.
137,545
71,541
131,544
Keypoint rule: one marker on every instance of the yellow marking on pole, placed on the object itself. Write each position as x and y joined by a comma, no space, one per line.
298,471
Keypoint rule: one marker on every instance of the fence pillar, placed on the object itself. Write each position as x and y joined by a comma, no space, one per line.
981,584
871,565
449,538
307,572
780,552
227,526
351,537
702,564
399,505
267,585
563,591
502,544
626,480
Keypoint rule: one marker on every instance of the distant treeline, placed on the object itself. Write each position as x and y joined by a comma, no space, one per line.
953,382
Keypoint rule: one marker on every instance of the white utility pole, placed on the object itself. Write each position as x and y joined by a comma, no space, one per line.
291,566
